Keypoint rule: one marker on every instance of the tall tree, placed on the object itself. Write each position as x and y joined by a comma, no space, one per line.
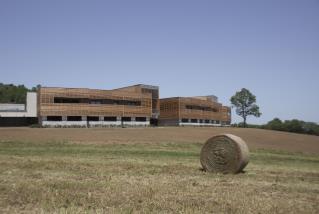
245,103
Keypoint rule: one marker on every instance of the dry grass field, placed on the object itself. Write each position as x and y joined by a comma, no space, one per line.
153,170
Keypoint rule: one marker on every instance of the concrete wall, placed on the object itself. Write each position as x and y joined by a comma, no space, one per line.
30,111
176,122
7,107
32,104
100,123
198,124
63,123
104,123
136,123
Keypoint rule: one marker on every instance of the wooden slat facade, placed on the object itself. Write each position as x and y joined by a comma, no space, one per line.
48,107
133,101
176,109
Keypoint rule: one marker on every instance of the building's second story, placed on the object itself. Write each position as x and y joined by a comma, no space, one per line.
131,101
146,89
201,109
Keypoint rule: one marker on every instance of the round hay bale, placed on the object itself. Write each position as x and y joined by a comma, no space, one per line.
225,153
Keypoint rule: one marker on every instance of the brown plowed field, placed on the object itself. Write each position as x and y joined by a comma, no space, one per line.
255,138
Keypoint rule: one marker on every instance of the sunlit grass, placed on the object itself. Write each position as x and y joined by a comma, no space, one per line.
143,178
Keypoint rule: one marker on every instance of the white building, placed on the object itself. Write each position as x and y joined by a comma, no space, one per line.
19,114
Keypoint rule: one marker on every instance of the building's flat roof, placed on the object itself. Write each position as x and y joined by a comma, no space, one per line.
142,85
193,97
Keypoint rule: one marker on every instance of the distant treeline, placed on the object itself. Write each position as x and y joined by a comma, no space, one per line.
10,93
296,126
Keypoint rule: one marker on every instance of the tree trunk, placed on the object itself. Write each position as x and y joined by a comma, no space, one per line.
245,125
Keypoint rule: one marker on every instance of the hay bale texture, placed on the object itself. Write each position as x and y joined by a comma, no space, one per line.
224,153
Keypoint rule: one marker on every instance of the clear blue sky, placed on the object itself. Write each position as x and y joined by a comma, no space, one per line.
186,47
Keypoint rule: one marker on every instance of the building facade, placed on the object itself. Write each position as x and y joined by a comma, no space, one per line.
193,111
136,105
19,114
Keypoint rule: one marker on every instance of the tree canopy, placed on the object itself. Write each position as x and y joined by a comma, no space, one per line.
245,103
10,93
296,126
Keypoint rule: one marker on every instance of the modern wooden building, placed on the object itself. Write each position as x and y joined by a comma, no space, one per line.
194,111
137,105
133,105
